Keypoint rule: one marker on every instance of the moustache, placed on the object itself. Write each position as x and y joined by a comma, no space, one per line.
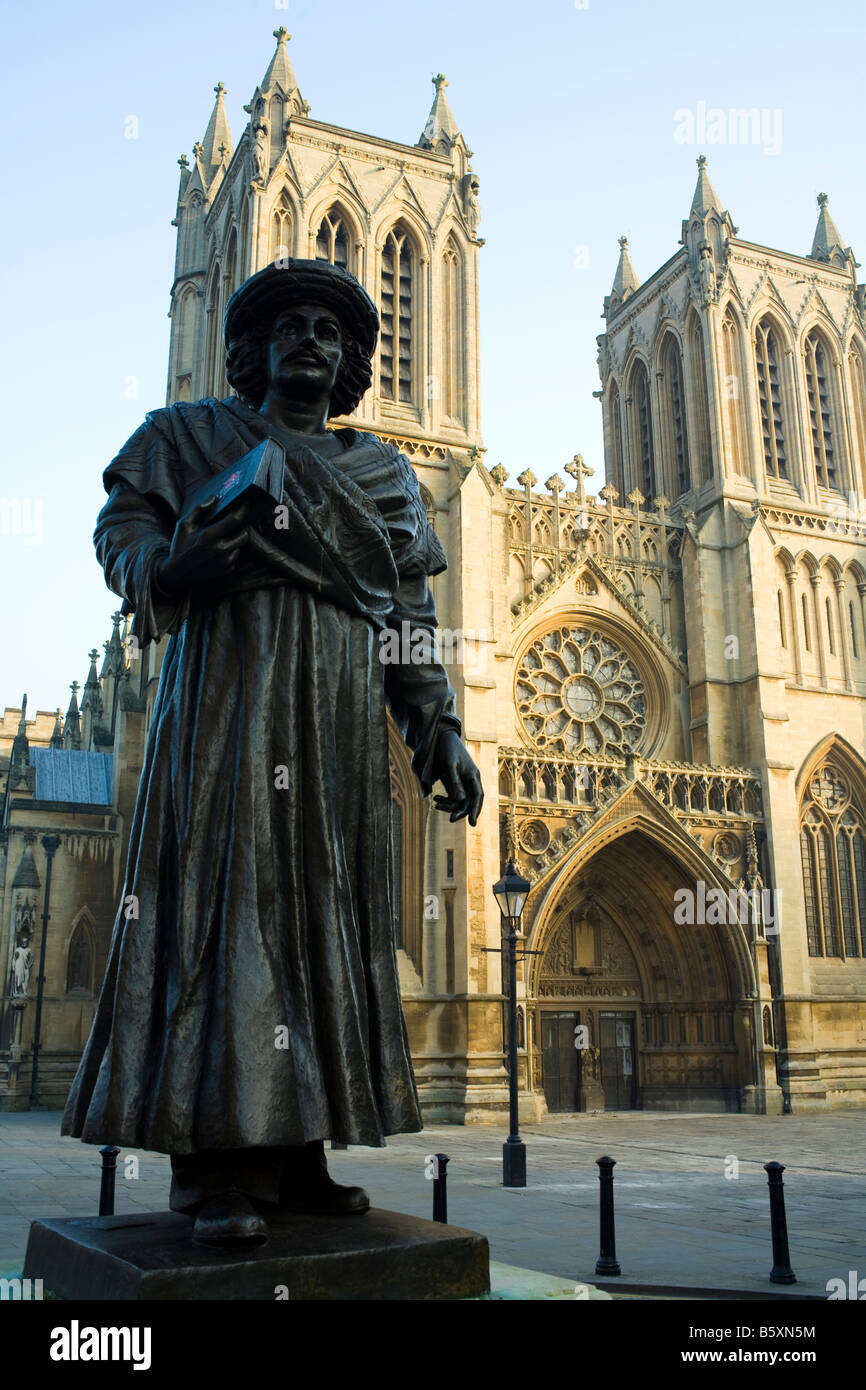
305,354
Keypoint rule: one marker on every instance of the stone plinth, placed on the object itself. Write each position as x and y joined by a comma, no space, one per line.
380,1255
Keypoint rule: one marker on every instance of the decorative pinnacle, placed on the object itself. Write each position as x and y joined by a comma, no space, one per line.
220,91
701,161
823,200
183,162
623,243
282,34
440,81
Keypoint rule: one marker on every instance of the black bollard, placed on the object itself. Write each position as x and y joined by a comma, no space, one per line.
440,1192
106,1186
781,1273
607,1262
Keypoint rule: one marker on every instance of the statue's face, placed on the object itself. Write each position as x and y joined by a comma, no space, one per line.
304,351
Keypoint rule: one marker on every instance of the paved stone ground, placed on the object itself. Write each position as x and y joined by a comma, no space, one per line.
679,1220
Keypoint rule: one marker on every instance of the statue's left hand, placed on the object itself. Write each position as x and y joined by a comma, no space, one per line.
453,767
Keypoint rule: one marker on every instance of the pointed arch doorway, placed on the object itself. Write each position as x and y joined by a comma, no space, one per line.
633,1011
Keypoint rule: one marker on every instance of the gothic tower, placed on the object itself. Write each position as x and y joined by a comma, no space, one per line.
733,386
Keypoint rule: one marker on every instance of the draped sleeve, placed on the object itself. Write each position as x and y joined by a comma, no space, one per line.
420,694
135,527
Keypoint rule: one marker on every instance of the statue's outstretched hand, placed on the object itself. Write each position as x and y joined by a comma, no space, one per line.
453,767
202,550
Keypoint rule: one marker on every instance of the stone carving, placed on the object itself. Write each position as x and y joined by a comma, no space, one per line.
22,963
260,155
577,691
534,836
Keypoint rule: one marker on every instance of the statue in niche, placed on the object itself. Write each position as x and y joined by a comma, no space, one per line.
22,962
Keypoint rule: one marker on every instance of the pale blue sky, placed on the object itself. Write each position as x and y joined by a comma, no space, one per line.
570,112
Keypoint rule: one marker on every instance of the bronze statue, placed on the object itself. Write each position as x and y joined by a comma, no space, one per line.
251,1006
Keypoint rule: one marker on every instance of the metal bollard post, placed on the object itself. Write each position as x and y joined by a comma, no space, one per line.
781,1273
607,1262
106,1186
440,1192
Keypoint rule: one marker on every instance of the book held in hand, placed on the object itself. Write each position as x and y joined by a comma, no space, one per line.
259,474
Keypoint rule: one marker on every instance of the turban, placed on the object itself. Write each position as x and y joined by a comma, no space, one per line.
285,282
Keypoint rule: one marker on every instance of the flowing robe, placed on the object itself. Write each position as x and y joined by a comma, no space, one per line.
251,996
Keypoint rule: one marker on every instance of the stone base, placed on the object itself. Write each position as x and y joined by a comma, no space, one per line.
381,1255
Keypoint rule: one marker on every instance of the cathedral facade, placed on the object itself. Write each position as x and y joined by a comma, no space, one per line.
662,681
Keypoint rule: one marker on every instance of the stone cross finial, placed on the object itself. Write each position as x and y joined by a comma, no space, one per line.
93,654
823,200
220,90
623,243
198,149
578,470
75,687
183,162
282,34
223,151
440,81
701,161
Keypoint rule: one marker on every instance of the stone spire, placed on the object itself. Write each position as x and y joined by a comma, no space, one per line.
279,84
706,198
57,736
441,130
280,72
827,244
20,774
625,281
72,726
216,148
27,875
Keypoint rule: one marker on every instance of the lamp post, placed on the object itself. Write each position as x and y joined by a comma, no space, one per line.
511,893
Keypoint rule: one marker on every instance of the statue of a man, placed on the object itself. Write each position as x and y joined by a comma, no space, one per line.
22,963
252,1008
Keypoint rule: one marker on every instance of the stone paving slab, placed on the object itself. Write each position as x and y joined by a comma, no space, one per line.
679,1220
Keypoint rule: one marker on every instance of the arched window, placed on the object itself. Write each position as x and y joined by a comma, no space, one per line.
395,352
617,464
858,404
816,360
830,634
805,608
280,234
452,394
732,395
702,460
770,400
185,344
644,450
674,419
79,962
833,854
213,354
332,242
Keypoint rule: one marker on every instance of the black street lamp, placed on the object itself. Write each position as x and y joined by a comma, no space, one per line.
511,893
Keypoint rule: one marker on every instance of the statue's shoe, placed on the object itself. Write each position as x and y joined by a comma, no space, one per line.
324,1198
229,1219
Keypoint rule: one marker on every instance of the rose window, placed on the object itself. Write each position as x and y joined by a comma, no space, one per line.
578,692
